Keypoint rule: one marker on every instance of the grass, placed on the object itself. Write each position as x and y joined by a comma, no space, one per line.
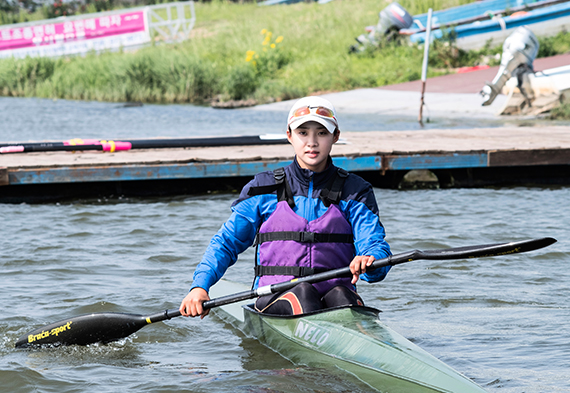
226,58
561,112
39,13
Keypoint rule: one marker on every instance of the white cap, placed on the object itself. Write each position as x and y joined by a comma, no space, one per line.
312,102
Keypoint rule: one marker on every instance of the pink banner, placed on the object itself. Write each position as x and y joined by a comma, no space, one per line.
73,30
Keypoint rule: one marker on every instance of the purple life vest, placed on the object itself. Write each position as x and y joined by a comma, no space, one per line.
291,246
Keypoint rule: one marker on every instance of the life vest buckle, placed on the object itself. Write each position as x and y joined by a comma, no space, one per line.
307,237
279,175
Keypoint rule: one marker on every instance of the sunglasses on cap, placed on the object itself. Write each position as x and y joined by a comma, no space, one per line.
317,110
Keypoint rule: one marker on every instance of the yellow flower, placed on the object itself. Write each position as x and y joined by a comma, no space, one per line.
279,39
273,46
249,55
263,31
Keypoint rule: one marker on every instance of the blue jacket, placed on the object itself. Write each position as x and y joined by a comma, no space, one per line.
358,204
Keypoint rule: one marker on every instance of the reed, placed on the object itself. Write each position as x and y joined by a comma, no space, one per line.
236,51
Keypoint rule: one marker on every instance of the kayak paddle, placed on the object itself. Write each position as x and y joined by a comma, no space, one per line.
112,146
108,326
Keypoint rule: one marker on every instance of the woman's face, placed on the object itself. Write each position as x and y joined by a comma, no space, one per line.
312,143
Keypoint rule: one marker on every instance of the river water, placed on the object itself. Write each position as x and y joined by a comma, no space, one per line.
501,321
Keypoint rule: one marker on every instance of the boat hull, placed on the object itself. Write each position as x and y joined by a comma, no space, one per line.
543,22
354,340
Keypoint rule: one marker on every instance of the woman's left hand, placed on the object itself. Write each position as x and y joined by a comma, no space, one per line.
359,265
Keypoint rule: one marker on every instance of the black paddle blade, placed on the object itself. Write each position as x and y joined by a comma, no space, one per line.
488,250
84,329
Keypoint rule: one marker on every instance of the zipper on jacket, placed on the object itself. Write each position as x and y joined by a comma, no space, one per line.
310,201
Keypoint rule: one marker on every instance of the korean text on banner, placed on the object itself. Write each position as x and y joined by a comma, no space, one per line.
76,36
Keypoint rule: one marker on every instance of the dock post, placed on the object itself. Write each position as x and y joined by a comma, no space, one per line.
425,65
4,179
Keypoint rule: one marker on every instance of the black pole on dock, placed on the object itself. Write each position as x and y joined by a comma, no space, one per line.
112,146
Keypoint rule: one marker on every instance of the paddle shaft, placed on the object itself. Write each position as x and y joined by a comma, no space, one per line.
488,250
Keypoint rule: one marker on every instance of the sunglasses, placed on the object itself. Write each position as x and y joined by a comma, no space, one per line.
317,110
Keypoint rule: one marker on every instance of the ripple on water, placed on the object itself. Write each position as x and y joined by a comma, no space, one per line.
494,319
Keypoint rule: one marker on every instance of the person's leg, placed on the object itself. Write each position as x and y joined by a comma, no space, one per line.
341,296
302,298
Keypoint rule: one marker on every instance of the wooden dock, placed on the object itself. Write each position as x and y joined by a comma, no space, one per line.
459,158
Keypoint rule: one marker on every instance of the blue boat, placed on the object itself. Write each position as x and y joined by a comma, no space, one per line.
543,21
275,2
486,9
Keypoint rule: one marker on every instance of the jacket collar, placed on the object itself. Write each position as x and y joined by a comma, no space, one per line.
319,178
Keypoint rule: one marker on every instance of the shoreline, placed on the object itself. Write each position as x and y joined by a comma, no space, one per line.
266,60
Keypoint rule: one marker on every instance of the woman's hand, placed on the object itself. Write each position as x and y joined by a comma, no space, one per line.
359,265
191,305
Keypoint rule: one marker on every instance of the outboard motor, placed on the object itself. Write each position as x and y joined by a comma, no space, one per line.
519,51
392,19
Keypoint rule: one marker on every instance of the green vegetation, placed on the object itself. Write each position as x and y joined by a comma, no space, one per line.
561,112
20,11
240,51
28,10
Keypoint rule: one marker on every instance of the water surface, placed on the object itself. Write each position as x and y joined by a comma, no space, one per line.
501,321
32,119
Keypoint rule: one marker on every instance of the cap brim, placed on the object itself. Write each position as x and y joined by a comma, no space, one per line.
329,124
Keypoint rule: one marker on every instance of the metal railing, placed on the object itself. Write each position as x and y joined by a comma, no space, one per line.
174,26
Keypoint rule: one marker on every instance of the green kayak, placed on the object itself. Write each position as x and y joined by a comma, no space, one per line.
352,339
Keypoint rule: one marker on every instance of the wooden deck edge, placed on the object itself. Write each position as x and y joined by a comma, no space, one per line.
559,156
194,169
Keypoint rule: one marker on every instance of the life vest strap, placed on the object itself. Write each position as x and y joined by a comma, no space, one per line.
304,237
332,192
281,186
296,271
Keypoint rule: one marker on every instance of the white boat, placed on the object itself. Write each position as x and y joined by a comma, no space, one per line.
545,90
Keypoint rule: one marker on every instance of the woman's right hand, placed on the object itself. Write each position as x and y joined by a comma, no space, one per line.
191,305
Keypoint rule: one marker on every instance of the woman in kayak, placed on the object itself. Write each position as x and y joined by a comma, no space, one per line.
305,218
